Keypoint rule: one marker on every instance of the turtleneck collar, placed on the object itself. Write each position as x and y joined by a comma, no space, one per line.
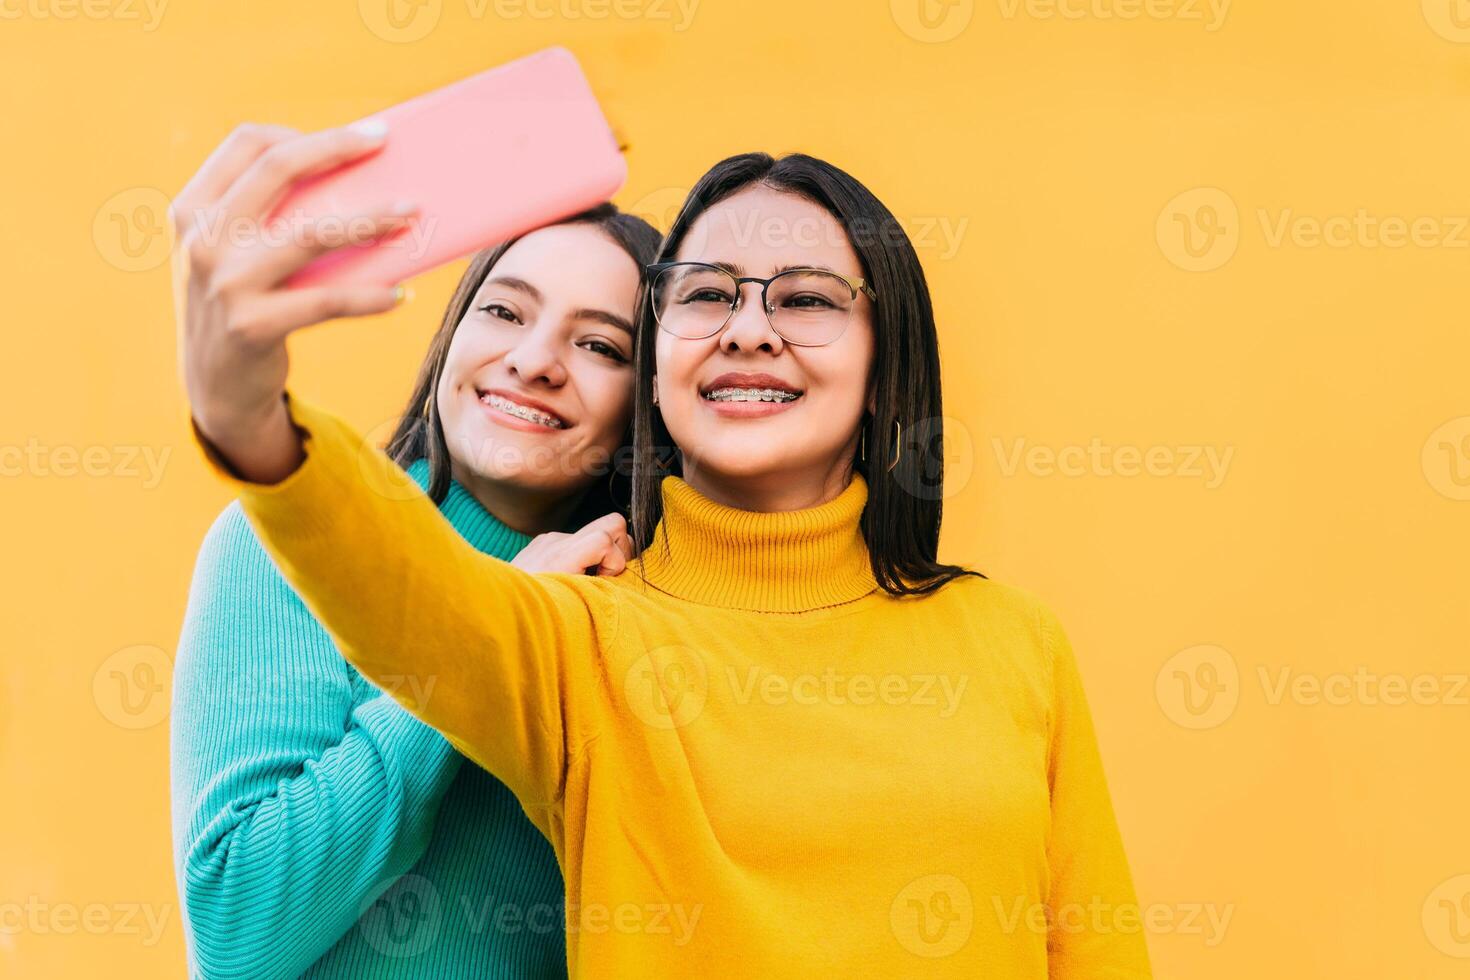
788,562
474,523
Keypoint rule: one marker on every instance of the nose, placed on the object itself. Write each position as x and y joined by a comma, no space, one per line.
749,327
537,360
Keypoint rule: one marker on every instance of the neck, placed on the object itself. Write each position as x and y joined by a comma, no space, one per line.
526,510
771,493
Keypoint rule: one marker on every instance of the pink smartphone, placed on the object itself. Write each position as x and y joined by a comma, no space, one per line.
487,158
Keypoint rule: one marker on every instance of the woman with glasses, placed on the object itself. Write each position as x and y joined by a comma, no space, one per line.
786,741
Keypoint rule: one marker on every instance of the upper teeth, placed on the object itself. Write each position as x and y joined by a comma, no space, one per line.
522,411
750,395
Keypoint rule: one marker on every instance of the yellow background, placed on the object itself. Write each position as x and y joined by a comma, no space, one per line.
1064,157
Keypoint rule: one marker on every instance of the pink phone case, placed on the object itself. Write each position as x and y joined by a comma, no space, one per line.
486,159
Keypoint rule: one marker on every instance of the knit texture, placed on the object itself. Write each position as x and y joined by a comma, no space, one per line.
750,760
321,830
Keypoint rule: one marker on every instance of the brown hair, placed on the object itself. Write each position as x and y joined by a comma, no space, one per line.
420,432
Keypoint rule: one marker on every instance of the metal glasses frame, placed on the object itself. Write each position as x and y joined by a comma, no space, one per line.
857,285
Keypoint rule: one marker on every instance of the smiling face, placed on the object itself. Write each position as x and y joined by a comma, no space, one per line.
536,387
792,446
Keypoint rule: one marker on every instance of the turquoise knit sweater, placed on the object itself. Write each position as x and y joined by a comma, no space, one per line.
321,830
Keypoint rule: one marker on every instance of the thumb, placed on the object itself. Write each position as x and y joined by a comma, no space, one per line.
616,559
589,546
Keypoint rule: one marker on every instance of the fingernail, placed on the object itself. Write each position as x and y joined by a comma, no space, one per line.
373,129
401,294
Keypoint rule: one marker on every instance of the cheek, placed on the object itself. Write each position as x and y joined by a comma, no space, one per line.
469,352
454,413
613,396
474,346
840,374
604,395
676,362
850,367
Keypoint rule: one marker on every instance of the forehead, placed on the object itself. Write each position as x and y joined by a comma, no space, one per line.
579,256
760,229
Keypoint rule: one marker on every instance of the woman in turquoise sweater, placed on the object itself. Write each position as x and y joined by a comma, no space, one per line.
319,828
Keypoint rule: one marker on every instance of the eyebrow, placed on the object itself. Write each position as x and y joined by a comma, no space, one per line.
604,317
738,271
517,284
589,313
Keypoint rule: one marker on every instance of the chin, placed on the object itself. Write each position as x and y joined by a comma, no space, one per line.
491,453
734,463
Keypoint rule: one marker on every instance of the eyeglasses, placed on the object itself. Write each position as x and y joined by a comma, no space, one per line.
806,307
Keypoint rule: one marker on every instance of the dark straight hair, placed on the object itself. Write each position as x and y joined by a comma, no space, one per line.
900,522
420,432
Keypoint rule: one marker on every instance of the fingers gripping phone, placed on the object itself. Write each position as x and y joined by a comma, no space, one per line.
485,159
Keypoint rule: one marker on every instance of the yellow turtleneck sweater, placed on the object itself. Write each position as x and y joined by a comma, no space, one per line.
751,761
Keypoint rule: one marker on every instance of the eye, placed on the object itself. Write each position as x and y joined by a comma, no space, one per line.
605,349
706,295
810,301
501,311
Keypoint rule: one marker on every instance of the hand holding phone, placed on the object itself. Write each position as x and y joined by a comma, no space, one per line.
484,159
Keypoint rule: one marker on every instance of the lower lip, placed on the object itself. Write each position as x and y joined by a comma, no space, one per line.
512,422
748,410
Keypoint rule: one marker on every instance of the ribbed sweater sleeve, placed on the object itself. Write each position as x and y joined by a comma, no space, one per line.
293,810
1096,931
501,661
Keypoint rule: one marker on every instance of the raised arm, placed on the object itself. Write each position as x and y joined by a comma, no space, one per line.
1096,926
294,807
497,659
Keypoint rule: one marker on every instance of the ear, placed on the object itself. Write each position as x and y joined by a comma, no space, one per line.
655,389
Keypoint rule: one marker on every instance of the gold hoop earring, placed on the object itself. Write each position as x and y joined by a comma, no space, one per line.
897,444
